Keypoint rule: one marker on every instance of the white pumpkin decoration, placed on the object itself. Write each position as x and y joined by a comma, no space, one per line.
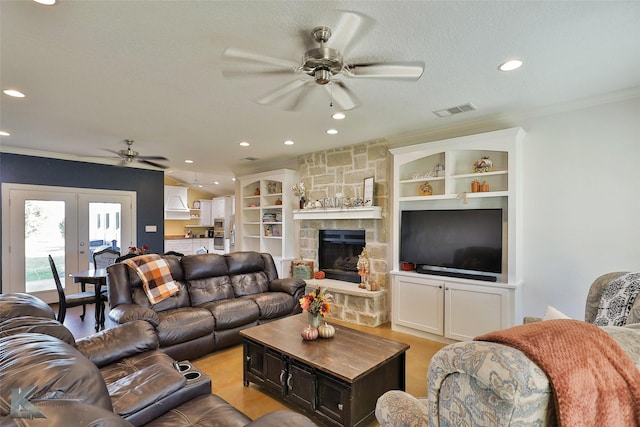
326,330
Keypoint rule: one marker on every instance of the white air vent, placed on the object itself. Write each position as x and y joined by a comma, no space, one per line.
455,110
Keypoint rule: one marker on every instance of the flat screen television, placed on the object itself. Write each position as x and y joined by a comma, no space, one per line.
457,243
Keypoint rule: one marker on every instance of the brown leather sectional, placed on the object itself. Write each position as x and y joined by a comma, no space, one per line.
219,296
117,377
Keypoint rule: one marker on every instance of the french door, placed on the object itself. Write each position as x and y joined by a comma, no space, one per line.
67,223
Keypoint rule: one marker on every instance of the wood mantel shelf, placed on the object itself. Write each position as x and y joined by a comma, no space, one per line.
365,212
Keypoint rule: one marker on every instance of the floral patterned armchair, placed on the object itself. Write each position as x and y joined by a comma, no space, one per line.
483,383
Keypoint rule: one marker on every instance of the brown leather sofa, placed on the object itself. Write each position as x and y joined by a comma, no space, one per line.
219,296
114,378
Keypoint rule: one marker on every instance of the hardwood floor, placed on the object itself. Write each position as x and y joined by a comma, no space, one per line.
225,366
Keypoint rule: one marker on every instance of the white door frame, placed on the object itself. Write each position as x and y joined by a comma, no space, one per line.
76,238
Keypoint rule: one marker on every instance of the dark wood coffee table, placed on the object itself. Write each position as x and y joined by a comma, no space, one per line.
336,380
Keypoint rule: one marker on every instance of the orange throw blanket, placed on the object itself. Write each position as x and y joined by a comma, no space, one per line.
155,274
595,383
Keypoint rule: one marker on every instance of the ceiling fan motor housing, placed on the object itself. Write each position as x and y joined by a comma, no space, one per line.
321,63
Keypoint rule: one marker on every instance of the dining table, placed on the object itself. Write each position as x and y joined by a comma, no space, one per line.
97,278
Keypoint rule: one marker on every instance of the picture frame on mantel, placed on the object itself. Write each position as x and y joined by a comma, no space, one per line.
367,194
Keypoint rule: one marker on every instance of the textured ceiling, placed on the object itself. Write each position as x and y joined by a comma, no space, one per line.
97,72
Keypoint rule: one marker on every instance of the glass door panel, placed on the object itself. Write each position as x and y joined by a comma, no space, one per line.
44,229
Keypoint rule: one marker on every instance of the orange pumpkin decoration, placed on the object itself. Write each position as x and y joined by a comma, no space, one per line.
319,274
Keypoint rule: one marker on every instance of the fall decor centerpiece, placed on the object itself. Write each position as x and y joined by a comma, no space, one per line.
316,304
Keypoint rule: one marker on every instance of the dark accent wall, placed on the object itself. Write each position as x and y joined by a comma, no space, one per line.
148,185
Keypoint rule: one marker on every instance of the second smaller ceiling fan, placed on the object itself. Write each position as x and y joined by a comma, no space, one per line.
130,155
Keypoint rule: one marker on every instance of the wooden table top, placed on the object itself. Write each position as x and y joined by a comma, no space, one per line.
349,355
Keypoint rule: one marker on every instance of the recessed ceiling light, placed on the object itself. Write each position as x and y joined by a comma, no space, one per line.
288,142
510,65
216,182
46,2
188,161
3,133
332,131
233,179
245,144
14,93
339,116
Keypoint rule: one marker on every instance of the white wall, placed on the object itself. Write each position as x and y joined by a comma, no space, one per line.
581,203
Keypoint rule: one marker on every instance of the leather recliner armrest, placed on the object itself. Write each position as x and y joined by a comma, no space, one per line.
282,418
122,341
288,285
124,313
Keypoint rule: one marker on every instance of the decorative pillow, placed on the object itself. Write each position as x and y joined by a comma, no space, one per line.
617,299
552,313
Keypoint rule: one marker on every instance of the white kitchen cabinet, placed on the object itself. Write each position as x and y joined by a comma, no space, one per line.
206,217
188,246
219,208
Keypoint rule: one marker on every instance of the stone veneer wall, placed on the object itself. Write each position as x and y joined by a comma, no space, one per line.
343,170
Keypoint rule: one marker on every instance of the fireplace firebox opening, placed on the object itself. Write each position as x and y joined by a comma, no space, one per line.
338,253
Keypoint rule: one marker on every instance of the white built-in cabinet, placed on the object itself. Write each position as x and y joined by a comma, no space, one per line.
264,220
447,307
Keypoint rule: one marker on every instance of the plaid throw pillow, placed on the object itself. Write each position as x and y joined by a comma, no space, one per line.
155,274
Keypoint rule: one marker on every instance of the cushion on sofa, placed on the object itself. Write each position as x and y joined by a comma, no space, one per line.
180,299
274,304
207,410
56,369
21,304
204,265
183,324
38,325
250,283
617,299
140,389
210,289
124,367
233,313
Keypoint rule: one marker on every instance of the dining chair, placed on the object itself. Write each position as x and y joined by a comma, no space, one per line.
72,300
105,257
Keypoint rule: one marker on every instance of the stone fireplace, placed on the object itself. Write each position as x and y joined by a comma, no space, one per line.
338,252
342,171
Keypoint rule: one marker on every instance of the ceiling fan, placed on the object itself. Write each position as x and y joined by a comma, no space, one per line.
323,66
130,155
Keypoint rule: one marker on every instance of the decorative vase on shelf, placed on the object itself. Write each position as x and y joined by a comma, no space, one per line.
314,319
483,165
302,202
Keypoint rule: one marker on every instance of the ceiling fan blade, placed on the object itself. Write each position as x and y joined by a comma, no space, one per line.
281,91
240,72
152,158
117,153
302,96
386,70
342,95
350,28
157,165
243,55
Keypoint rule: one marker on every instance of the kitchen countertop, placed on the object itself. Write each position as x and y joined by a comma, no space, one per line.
181,236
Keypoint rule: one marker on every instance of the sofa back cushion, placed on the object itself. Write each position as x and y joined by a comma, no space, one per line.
125,287
56,369
247,272
208,278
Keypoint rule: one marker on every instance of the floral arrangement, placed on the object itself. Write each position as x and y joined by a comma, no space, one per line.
138,251
316,302
299,189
